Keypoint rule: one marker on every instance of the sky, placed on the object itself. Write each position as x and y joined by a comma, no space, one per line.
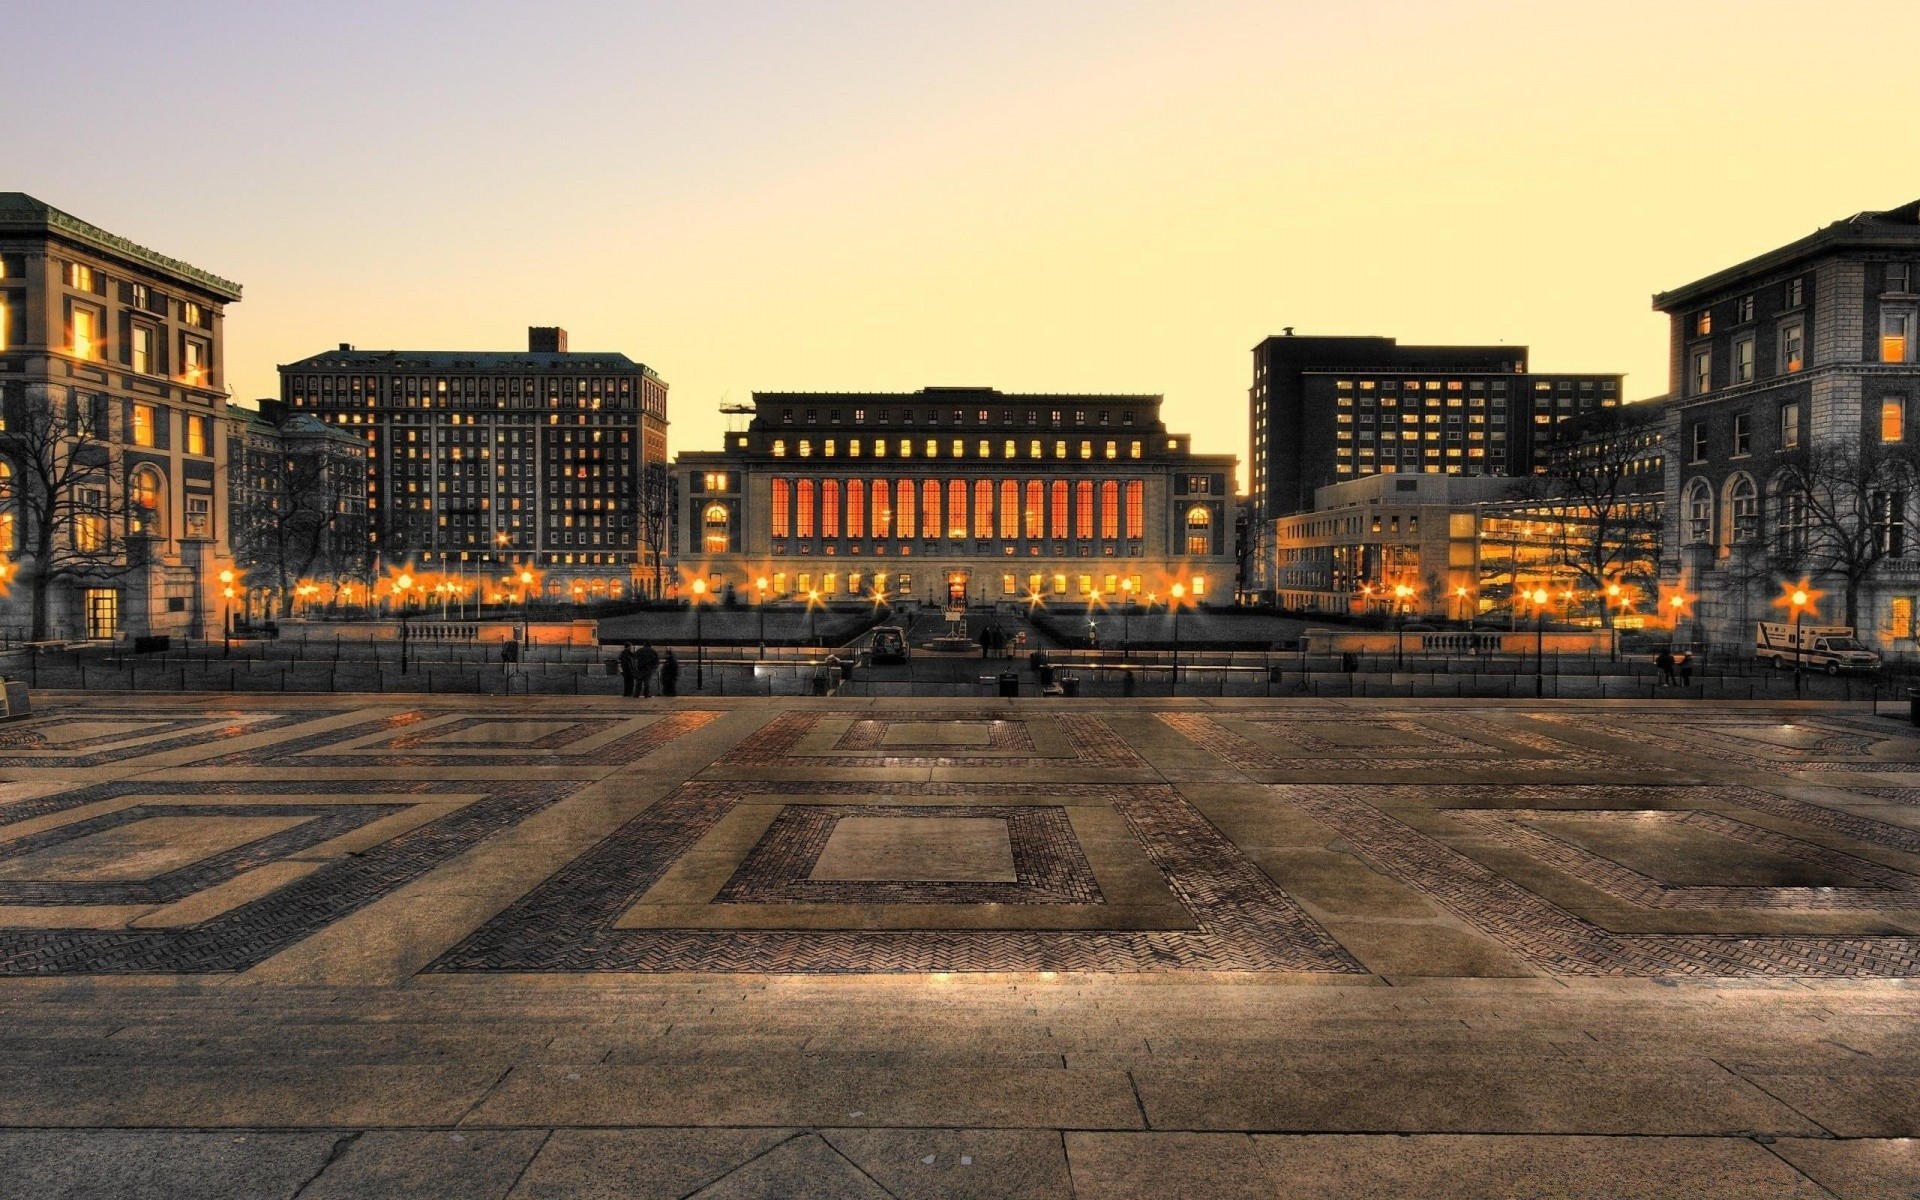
1048,195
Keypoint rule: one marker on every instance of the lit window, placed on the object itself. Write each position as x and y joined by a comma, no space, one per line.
1896,336
1792,347
193,360
143,349
86,332
1893,419
1703,324
196,434
779,448
143,420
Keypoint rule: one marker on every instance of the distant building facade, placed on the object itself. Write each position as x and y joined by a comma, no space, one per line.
1464,547
297,504
1797,361
491,462
957,496
112,355
1327,409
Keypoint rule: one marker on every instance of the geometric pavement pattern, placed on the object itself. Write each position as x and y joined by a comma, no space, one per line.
1630,866
1560,941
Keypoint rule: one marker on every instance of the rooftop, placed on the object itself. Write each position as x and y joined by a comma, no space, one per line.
1895,227
21,213
349,358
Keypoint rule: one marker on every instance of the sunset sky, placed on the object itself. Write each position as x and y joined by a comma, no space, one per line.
1113,196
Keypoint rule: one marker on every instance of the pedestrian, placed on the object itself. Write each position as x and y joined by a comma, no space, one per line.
645,661
1686,670
1664,661
629,671
669,674
509,654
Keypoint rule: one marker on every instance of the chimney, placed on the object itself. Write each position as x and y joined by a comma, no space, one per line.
546,339
346,347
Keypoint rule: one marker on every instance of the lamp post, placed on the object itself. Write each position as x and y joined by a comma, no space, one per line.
226,614
813,627
526,602
1126,619
1616,599
1401,593
1799,600
1460,594
1174,595
1539,599
404,583
760,589
699,640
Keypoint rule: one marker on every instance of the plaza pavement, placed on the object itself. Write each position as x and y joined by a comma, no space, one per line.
585,947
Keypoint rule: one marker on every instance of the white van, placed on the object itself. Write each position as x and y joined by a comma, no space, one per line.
1829,648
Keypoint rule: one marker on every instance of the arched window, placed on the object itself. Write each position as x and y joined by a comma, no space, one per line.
1699,511
1789,519
147,493
1199,530
716,529
1743,510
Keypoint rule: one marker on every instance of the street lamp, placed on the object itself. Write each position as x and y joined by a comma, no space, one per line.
404,583
1126,618
226,613
1539,599
1175,595
1401,593
813,600
760,587
699,641
1460,594
1798,598
526,601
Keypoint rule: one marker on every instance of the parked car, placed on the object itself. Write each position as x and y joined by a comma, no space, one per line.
889,645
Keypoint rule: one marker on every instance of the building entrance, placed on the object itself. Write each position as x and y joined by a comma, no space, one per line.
957,590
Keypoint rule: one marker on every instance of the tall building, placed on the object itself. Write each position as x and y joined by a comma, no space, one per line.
957,496
1794,379
1327,409
110,355
493,461
297,499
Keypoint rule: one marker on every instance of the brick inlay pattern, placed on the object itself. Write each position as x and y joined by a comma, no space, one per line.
106,749
1887,888
1237,751
1051,867
1002,734
250,933
1555,940
567,924
437,737
325,821
1094,745
1722,739
1299,733
295,752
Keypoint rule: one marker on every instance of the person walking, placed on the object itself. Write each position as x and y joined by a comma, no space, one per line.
645,661
1664,662
670,674
629,671
1686,670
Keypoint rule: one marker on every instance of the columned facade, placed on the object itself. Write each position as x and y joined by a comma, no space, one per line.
956,497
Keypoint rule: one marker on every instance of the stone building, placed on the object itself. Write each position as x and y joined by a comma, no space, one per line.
1791,363
956,496
110,358
488,462
297,505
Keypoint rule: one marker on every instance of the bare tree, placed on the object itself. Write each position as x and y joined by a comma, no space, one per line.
1601,504
1838,510
64,494
656,519
296,528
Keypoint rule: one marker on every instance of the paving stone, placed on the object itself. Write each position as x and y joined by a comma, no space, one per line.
802,1168
152,1164
1858,1169
639,1164
479,1164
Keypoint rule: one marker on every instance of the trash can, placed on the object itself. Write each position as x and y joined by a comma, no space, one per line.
1276,674
1046,675
1070,685
1010,683
1126,682
1913,705
1037,659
